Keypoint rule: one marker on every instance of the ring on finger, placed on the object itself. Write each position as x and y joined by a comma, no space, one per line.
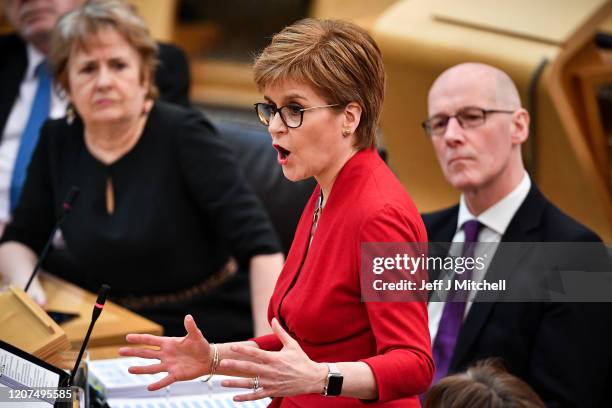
255,383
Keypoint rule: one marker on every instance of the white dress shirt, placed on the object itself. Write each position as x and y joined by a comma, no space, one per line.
16,124
495,221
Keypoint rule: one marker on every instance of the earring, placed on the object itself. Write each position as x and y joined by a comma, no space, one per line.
70,114
346,132
146,108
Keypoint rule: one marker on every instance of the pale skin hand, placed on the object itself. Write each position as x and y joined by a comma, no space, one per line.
183,358
291,372
281,373
189,357
17,262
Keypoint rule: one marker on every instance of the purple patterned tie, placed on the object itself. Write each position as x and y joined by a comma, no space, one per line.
454,308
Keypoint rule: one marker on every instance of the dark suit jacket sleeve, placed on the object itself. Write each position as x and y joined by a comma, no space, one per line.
568,368
12,71
172,77
571,350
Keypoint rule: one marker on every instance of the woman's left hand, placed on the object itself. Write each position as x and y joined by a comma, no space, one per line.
279,373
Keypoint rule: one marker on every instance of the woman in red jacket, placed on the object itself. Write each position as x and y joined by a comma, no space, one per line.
323,82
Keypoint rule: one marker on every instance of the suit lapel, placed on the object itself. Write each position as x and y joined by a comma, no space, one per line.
522,228
441,229
444,231
11,75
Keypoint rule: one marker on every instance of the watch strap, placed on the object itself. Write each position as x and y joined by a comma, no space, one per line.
333,383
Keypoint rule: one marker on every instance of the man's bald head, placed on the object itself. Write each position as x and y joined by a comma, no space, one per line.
489,84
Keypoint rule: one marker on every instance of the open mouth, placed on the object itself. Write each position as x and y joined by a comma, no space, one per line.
283,153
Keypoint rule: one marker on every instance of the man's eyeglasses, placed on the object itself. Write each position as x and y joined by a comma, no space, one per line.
291,115
468,118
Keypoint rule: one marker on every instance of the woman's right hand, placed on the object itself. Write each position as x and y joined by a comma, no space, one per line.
35,292
16,264
183,358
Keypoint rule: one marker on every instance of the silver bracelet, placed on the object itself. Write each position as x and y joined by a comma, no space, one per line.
214,363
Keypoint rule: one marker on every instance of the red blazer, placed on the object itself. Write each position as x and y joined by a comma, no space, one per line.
318,298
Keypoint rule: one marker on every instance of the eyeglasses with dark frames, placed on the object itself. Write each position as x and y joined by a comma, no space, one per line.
291,115
468,118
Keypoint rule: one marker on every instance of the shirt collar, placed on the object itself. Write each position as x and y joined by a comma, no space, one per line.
35,57
498,216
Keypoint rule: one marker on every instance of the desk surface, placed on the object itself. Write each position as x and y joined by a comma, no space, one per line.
110,329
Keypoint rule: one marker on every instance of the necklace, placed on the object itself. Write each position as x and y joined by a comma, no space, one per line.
316,215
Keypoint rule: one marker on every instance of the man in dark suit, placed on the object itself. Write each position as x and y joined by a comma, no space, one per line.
477,126
22,52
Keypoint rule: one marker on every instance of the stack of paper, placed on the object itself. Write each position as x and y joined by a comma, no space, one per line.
122,389
194,401
19,374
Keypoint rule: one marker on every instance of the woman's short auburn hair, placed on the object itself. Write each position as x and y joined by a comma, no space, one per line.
486,384
76,29
340,60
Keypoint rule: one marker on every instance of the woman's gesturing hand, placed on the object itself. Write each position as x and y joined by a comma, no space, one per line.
279,374
183,358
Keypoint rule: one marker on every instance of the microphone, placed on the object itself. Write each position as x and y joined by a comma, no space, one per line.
66,208
97,310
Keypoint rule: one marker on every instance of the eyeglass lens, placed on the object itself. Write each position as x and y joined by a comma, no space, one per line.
291,115
467,118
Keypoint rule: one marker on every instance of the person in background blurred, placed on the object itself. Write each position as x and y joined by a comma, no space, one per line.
28,97
162,211
323,83
486,384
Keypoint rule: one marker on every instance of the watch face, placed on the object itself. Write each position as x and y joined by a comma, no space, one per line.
334,386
